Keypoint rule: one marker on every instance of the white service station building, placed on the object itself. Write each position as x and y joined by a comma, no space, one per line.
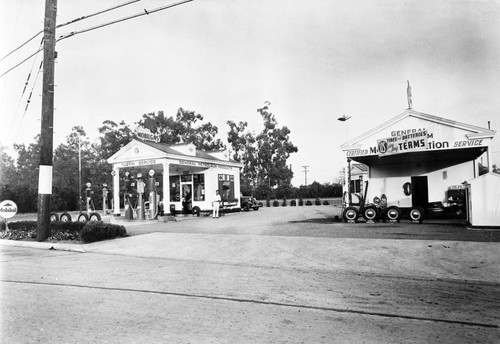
417,158
181,172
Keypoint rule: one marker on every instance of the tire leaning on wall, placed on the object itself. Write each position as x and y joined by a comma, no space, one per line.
393,214
350,214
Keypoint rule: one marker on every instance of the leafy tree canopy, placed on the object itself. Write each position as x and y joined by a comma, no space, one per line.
264,155
186,127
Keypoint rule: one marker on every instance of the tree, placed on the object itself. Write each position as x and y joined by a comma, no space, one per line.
185,128
25,180
264,156
244,148
114,136
7,174
274,147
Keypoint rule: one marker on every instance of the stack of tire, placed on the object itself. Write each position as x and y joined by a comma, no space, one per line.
390,214
83,217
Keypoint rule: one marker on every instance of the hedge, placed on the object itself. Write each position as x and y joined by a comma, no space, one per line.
98,230
59,230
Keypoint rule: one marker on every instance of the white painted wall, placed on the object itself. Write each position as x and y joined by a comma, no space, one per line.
485,200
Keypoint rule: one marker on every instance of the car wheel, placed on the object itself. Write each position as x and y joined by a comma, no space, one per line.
196,211
65,217
417,214
246,207
255,208
370,213
393,214
350,214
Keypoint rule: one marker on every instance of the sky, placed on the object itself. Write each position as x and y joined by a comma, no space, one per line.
313,60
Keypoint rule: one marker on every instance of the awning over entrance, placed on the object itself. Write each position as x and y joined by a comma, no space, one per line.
452,156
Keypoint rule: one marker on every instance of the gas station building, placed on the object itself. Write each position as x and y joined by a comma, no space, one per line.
415,159
180,176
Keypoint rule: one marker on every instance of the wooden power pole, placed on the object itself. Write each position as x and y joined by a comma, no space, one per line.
47,131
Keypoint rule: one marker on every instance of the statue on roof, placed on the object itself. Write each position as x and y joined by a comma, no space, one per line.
408,95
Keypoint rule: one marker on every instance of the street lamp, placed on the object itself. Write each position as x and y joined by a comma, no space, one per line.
345,118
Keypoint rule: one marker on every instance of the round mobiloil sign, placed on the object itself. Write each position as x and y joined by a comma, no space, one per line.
7,209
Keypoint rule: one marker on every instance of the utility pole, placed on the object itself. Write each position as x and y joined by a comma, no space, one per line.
305,173
47,130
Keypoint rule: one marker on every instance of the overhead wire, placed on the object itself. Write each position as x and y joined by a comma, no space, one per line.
70,22
146,12
26,83
71,34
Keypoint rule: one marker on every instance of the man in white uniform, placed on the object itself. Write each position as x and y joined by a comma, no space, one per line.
216,204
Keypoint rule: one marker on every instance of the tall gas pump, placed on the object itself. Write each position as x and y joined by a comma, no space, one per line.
129,215
88,199
153,203
104,199
140,201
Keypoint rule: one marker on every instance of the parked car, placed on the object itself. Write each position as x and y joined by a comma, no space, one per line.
248,202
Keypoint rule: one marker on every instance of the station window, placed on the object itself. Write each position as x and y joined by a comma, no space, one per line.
356,186
226,187
199,187
175,189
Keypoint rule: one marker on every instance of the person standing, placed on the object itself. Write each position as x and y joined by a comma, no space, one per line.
216,204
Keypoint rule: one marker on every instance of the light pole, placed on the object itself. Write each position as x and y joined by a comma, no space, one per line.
79,173
345,118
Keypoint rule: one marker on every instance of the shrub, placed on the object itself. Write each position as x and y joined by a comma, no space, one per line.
326,202
268,203
284,203
19,230
309,202
98,230
301,202
77,231
317,201
293,203
276,203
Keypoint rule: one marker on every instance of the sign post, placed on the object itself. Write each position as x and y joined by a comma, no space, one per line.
7,210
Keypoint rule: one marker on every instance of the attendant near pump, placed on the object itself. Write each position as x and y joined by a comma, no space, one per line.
216,204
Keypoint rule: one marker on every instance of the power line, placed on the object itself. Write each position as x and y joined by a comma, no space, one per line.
145,12
97,13
20,63
68,23
71,34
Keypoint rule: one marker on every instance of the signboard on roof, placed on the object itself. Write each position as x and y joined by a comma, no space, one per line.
145,134
403,142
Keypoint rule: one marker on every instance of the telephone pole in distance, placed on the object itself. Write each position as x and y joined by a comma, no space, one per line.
305,173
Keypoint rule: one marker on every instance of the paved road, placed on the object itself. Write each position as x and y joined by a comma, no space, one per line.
218,281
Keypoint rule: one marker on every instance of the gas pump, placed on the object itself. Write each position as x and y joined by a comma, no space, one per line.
140,201
104,198
153,205
129,215
88,193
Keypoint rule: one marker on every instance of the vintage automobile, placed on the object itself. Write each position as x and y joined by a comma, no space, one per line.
249,202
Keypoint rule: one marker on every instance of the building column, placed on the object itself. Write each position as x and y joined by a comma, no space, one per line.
166,187
237,188
116,191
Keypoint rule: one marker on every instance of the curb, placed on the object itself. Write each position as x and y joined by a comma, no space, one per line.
44,245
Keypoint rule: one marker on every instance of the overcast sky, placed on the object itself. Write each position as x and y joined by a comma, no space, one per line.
313,60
